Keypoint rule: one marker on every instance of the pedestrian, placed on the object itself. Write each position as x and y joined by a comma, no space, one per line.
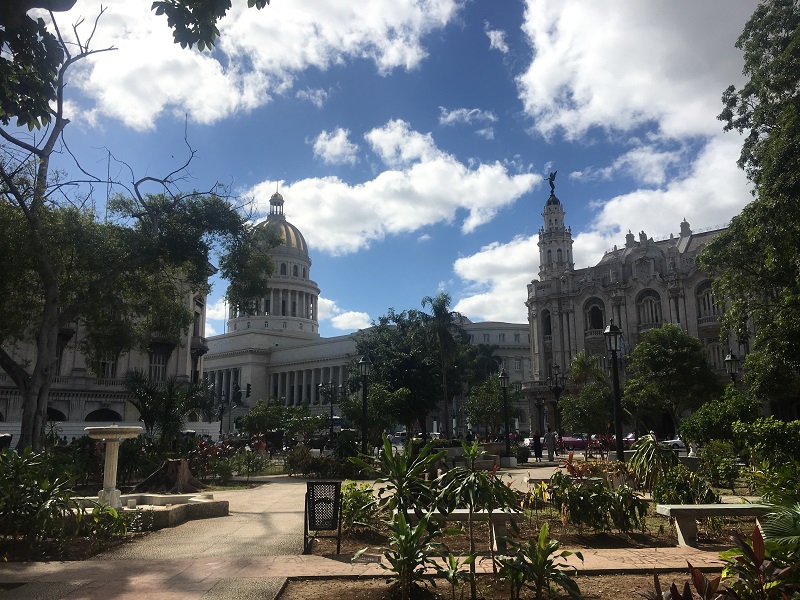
537,446
468,437
550,443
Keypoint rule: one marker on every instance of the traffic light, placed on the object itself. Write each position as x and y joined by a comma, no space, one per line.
249,390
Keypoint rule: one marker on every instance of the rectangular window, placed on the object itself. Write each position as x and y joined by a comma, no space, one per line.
517,364
158,366
485,338
516,337
502,337
108,368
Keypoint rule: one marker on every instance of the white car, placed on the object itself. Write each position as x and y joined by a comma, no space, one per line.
675,444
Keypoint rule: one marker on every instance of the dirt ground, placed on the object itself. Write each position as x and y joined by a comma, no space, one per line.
592,587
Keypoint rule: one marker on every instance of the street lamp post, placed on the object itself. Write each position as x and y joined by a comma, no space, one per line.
557,383
732,365
504,385
613,335
364,367
333,393
221,412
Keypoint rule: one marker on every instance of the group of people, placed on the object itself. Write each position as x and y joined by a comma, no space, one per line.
550,439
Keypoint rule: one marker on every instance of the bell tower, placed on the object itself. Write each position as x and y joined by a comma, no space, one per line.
555,240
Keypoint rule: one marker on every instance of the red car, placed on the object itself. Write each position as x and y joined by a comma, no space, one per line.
573,442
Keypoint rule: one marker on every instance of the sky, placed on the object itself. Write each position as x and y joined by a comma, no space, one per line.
412,139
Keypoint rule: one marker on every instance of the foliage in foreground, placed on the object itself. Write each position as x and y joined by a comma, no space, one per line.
537,566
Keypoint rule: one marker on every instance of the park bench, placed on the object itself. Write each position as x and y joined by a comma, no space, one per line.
498,522
686,515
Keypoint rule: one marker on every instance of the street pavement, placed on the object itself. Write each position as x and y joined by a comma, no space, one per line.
250,554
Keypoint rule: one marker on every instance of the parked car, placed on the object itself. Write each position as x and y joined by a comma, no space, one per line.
675,444
629,440
573,442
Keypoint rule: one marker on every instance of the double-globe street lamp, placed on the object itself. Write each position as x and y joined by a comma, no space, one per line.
613,335
504,384
364,368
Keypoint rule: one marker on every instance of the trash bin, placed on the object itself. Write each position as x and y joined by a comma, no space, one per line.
323,512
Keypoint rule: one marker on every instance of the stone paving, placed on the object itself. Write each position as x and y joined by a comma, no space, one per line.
250,553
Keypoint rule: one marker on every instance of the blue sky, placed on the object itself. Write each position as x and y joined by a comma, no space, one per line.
411,140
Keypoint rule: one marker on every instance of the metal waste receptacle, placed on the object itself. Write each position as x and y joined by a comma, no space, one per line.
323,512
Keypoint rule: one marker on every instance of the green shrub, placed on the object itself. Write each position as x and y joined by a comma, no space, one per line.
777,484
297,460
105,523
679,485
34,506
651,460
718,463
358,505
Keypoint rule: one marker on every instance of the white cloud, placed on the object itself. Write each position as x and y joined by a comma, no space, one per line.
210,330
341,319
425,186
350,321
465,115
316,97
621,64
487,133
217,310
497,276
497,39
335,147
258,54
645,164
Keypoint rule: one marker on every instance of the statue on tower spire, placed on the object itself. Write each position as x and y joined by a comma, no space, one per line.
552,180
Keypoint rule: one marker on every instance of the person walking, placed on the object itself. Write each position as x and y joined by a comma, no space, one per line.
537,446
550,443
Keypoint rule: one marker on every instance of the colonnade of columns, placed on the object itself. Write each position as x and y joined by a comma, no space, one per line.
224,383
283,302
297,387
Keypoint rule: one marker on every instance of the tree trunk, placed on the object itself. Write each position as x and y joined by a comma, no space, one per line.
172,477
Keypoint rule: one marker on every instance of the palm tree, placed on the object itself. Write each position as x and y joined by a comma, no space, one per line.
486,363
444,323
585,368
164,405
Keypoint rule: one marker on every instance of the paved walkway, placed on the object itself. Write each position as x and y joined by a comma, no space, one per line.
250,553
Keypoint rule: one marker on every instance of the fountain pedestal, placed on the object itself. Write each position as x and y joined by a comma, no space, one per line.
112,434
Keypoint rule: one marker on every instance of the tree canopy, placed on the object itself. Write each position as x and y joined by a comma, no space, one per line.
756,261
32,55
668,371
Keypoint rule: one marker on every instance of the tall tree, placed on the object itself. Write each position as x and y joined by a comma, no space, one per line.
756,261
398,345
123,277
32,55
446,326
668,371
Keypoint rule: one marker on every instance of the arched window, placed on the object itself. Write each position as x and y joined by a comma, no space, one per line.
549,257
104,414
594,313
283,269
295,271
559,256
304,272
706,304
54,414
648,309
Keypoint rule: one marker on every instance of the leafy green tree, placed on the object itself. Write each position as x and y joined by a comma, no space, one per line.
668,371
32,54
399,347
165,405
590,410
446,326
755,261
263,417
484,406
484,362
383,408
122,277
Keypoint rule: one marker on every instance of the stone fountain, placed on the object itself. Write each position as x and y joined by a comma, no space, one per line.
112,434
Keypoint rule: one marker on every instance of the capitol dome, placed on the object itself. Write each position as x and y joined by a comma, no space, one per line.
293,240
